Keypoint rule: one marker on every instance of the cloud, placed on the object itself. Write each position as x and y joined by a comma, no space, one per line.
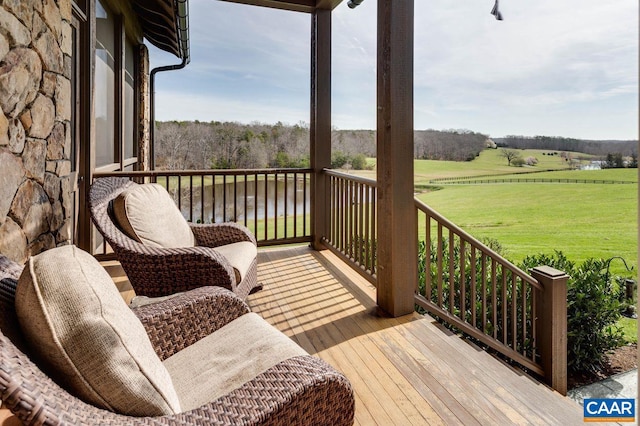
545,64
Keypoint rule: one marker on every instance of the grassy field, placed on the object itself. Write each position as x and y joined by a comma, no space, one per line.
581,220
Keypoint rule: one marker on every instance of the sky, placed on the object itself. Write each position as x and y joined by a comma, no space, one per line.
555,68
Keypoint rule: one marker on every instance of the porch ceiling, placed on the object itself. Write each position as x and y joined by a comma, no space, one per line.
295,5
163,24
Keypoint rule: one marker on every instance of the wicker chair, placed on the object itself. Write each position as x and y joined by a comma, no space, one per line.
157,272
301,390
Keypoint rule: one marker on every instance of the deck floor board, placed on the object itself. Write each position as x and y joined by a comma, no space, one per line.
407,370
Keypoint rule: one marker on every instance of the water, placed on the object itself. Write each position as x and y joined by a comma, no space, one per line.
264,199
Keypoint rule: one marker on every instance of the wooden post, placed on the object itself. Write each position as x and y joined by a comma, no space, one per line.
551,314
396,214
320,126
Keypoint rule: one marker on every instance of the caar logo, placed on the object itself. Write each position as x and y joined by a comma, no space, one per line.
609,410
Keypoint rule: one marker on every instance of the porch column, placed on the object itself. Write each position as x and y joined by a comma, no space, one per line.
320,127
397,228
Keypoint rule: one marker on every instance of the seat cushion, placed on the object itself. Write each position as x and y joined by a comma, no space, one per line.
78,324
148,214
240,255
227,359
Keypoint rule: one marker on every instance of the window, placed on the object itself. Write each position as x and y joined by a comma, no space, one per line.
115,93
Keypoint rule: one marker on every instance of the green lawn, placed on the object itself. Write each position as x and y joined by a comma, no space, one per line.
581,220
630,328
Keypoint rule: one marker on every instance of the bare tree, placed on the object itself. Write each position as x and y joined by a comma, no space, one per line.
509,154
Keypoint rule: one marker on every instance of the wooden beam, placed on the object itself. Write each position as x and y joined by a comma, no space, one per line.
397,228
320,127
294,5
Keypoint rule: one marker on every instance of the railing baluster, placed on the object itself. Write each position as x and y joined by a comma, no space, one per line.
307,178
534,328
484,293
494,298
246,201
190,198
235,198
180,193
427,257
224,198
524,290
266,207
275,206
202,199
295,204
474,277
505,303
452,278
256,195
463,284
440,256
374,232
367,224
514,311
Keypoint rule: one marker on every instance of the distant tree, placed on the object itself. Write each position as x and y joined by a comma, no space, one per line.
531,161
509,155
633,164
613,161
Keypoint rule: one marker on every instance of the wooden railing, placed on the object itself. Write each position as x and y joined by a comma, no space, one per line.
273,203
352,221
462,281
465,283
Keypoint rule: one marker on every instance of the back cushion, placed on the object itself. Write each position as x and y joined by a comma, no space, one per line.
148,214
77,323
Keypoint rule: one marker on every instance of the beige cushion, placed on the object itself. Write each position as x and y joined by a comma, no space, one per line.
75,319
228,358
240,255
148,214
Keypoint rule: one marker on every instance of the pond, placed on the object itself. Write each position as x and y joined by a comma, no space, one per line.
252,200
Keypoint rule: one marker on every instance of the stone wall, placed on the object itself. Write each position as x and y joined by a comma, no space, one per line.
36,206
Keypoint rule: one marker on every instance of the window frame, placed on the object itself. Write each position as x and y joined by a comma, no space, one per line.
121,41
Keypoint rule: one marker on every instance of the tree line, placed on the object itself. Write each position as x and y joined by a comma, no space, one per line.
231,145
558,143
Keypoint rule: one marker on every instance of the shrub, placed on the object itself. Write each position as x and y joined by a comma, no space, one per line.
517,162
359,162
592,309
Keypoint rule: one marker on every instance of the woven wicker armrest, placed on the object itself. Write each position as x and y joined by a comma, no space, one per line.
219,234
156,272
180,321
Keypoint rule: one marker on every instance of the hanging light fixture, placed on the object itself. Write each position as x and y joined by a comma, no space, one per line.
495,12
354,3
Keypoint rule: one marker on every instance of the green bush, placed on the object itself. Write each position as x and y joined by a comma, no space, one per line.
593,308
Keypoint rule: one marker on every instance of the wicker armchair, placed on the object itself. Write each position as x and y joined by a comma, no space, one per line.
301,390
157,272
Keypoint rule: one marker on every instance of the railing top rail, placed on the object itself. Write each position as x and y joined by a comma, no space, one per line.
220,172
477,244
355,178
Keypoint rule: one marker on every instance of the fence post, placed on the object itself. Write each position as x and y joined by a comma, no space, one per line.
551,314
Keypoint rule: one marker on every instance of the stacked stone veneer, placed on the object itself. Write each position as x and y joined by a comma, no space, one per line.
36,205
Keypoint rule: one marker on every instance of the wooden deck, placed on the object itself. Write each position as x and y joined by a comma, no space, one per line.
404,371
407,370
